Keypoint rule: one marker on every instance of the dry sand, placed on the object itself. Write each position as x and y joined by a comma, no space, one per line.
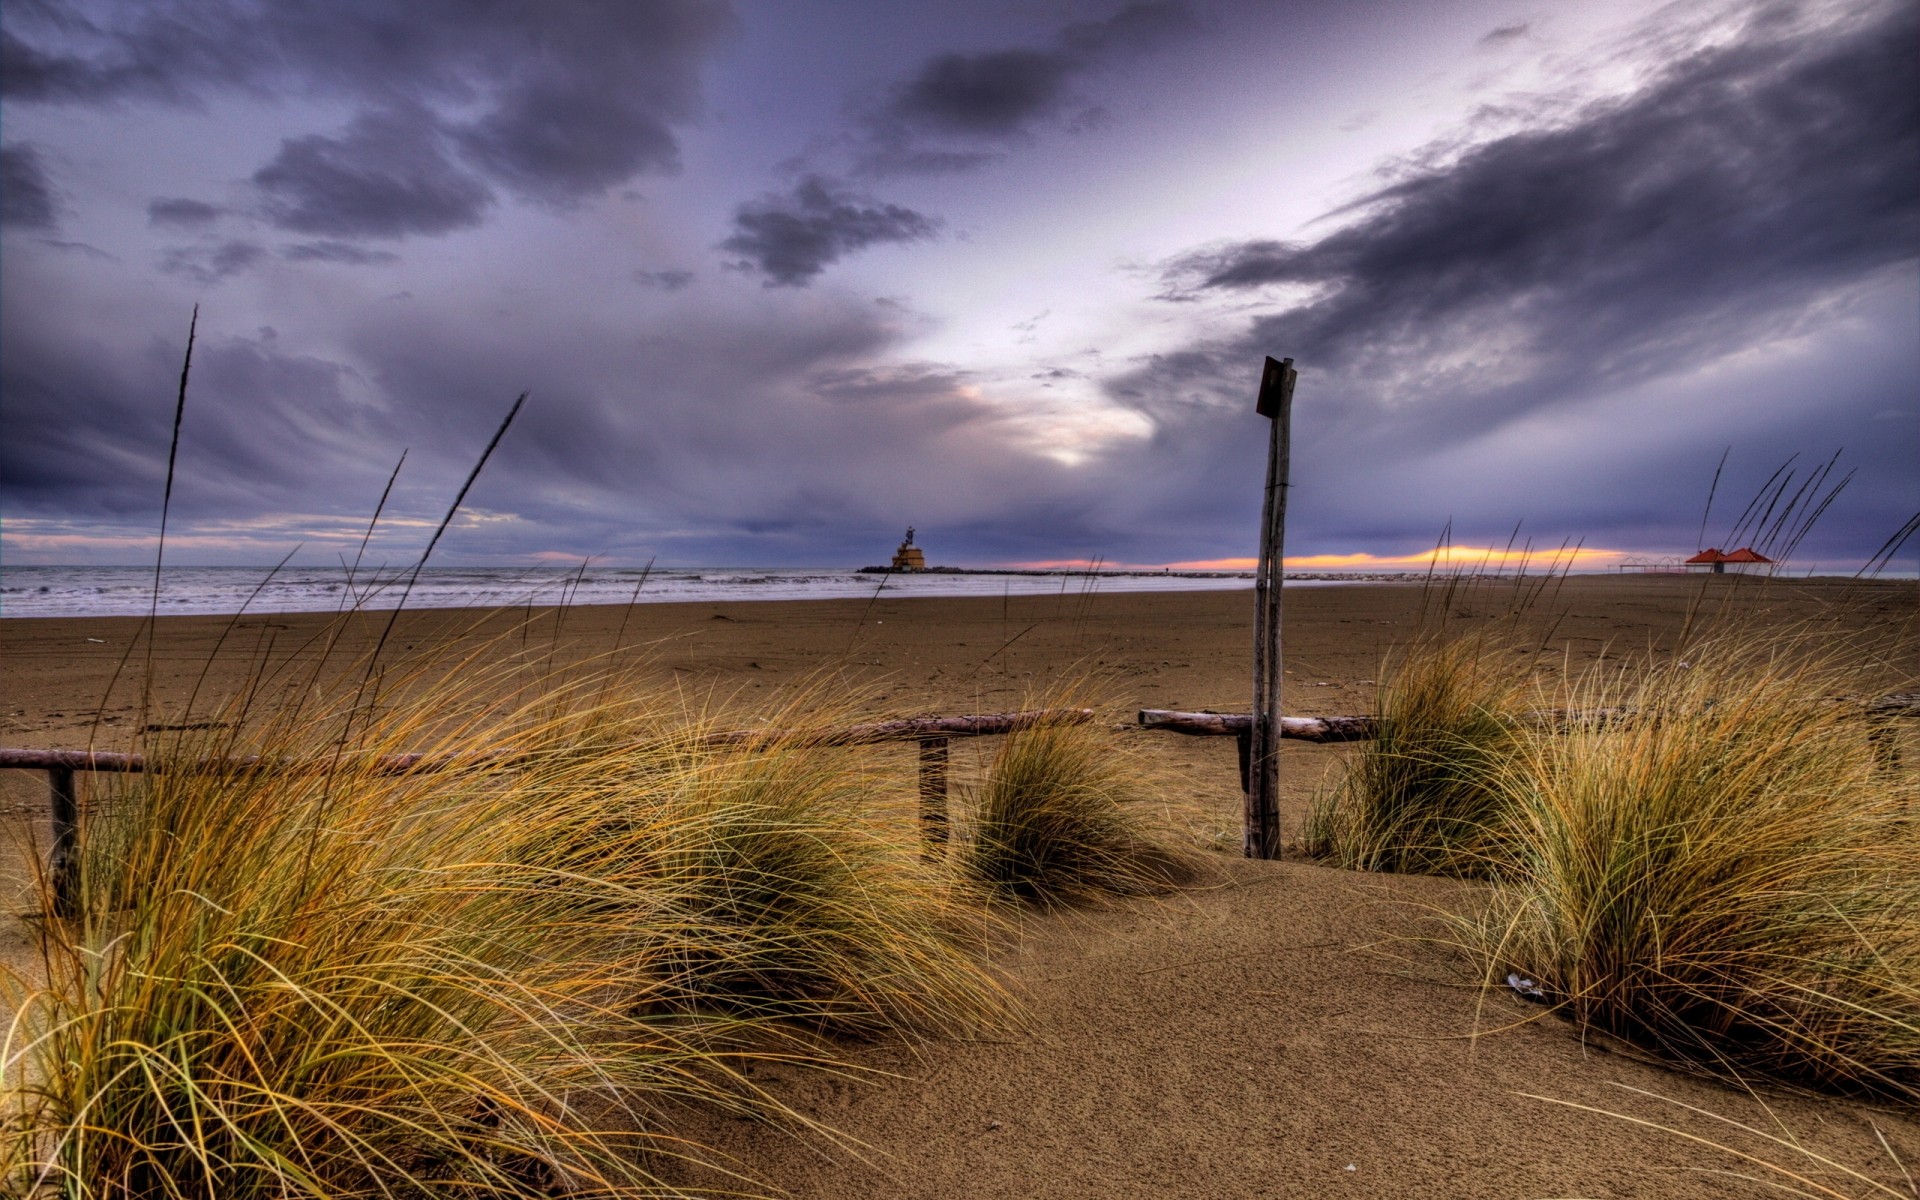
1281,1033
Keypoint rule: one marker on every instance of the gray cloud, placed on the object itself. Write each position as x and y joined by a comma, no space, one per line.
1506,33
989,94
181,213
666,281
26,200
988,100
559,143
791,238
555,103
337,252
388,176
212,263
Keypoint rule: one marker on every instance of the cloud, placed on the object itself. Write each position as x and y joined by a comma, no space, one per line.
973,105
212,263
88,422
791,238
1504,34
666,281
989,94
558,141
26,200
388,176
1569,323
344,253
1725,204
180,213
553,103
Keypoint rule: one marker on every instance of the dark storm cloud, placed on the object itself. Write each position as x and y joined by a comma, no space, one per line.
387,177
792,237
1709,212
990,94
989,99
181,213
558,141
25,199
1560,278
337,252
554,102
88,423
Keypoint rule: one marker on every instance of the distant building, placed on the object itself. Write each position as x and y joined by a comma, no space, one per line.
1744,561
909,556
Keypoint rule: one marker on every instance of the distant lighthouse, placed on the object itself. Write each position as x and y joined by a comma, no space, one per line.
908,557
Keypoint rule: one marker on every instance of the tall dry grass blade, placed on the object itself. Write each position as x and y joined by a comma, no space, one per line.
373,523
1781,1177
1713,488
159,556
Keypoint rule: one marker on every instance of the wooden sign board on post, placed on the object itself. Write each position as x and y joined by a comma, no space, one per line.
1262,752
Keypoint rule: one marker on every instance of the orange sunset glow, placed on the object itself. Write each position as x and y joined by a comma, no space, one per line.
1450,556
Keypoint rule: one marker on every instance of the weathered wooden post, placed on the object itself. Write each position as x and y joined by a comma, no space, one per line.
933,796
63,862
1275,402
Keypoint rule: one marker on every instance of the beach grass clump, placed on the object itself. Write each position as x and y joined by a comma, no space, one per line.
309,973
1727,877
1421,797
1062,816
792,875
338,981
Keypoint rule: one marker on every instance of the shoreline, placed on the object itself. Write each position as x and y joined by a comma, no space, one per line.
243,592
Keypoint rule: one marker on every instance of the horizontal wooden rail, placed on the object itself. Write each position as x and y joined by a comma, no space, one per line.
932,733
1361,728
905,730
1239,726
1211,724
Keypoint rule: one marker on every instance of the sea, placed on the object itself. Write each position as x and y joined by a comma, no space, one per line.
129,591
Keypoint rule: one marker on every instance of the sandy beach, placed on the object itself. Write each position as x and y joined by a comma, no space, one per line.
1282,1031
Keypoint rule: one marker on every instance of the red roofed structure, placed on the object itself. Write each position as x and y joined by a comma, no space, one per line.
1745,560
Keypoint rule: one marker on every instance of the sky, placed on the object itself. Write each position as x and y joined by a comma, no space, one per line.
782,279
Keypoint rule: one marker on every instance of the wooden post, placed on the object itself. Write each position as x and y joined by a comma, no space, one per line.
1275,402
63,863
1885,740
933,795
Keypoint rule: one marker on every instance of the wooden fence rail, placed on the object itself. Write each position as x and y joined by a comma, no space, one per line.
1239,726
932,733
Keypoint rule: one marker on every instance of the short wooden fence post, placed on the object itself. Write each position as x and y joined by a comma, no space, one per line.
1885,740
63,863
933,795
